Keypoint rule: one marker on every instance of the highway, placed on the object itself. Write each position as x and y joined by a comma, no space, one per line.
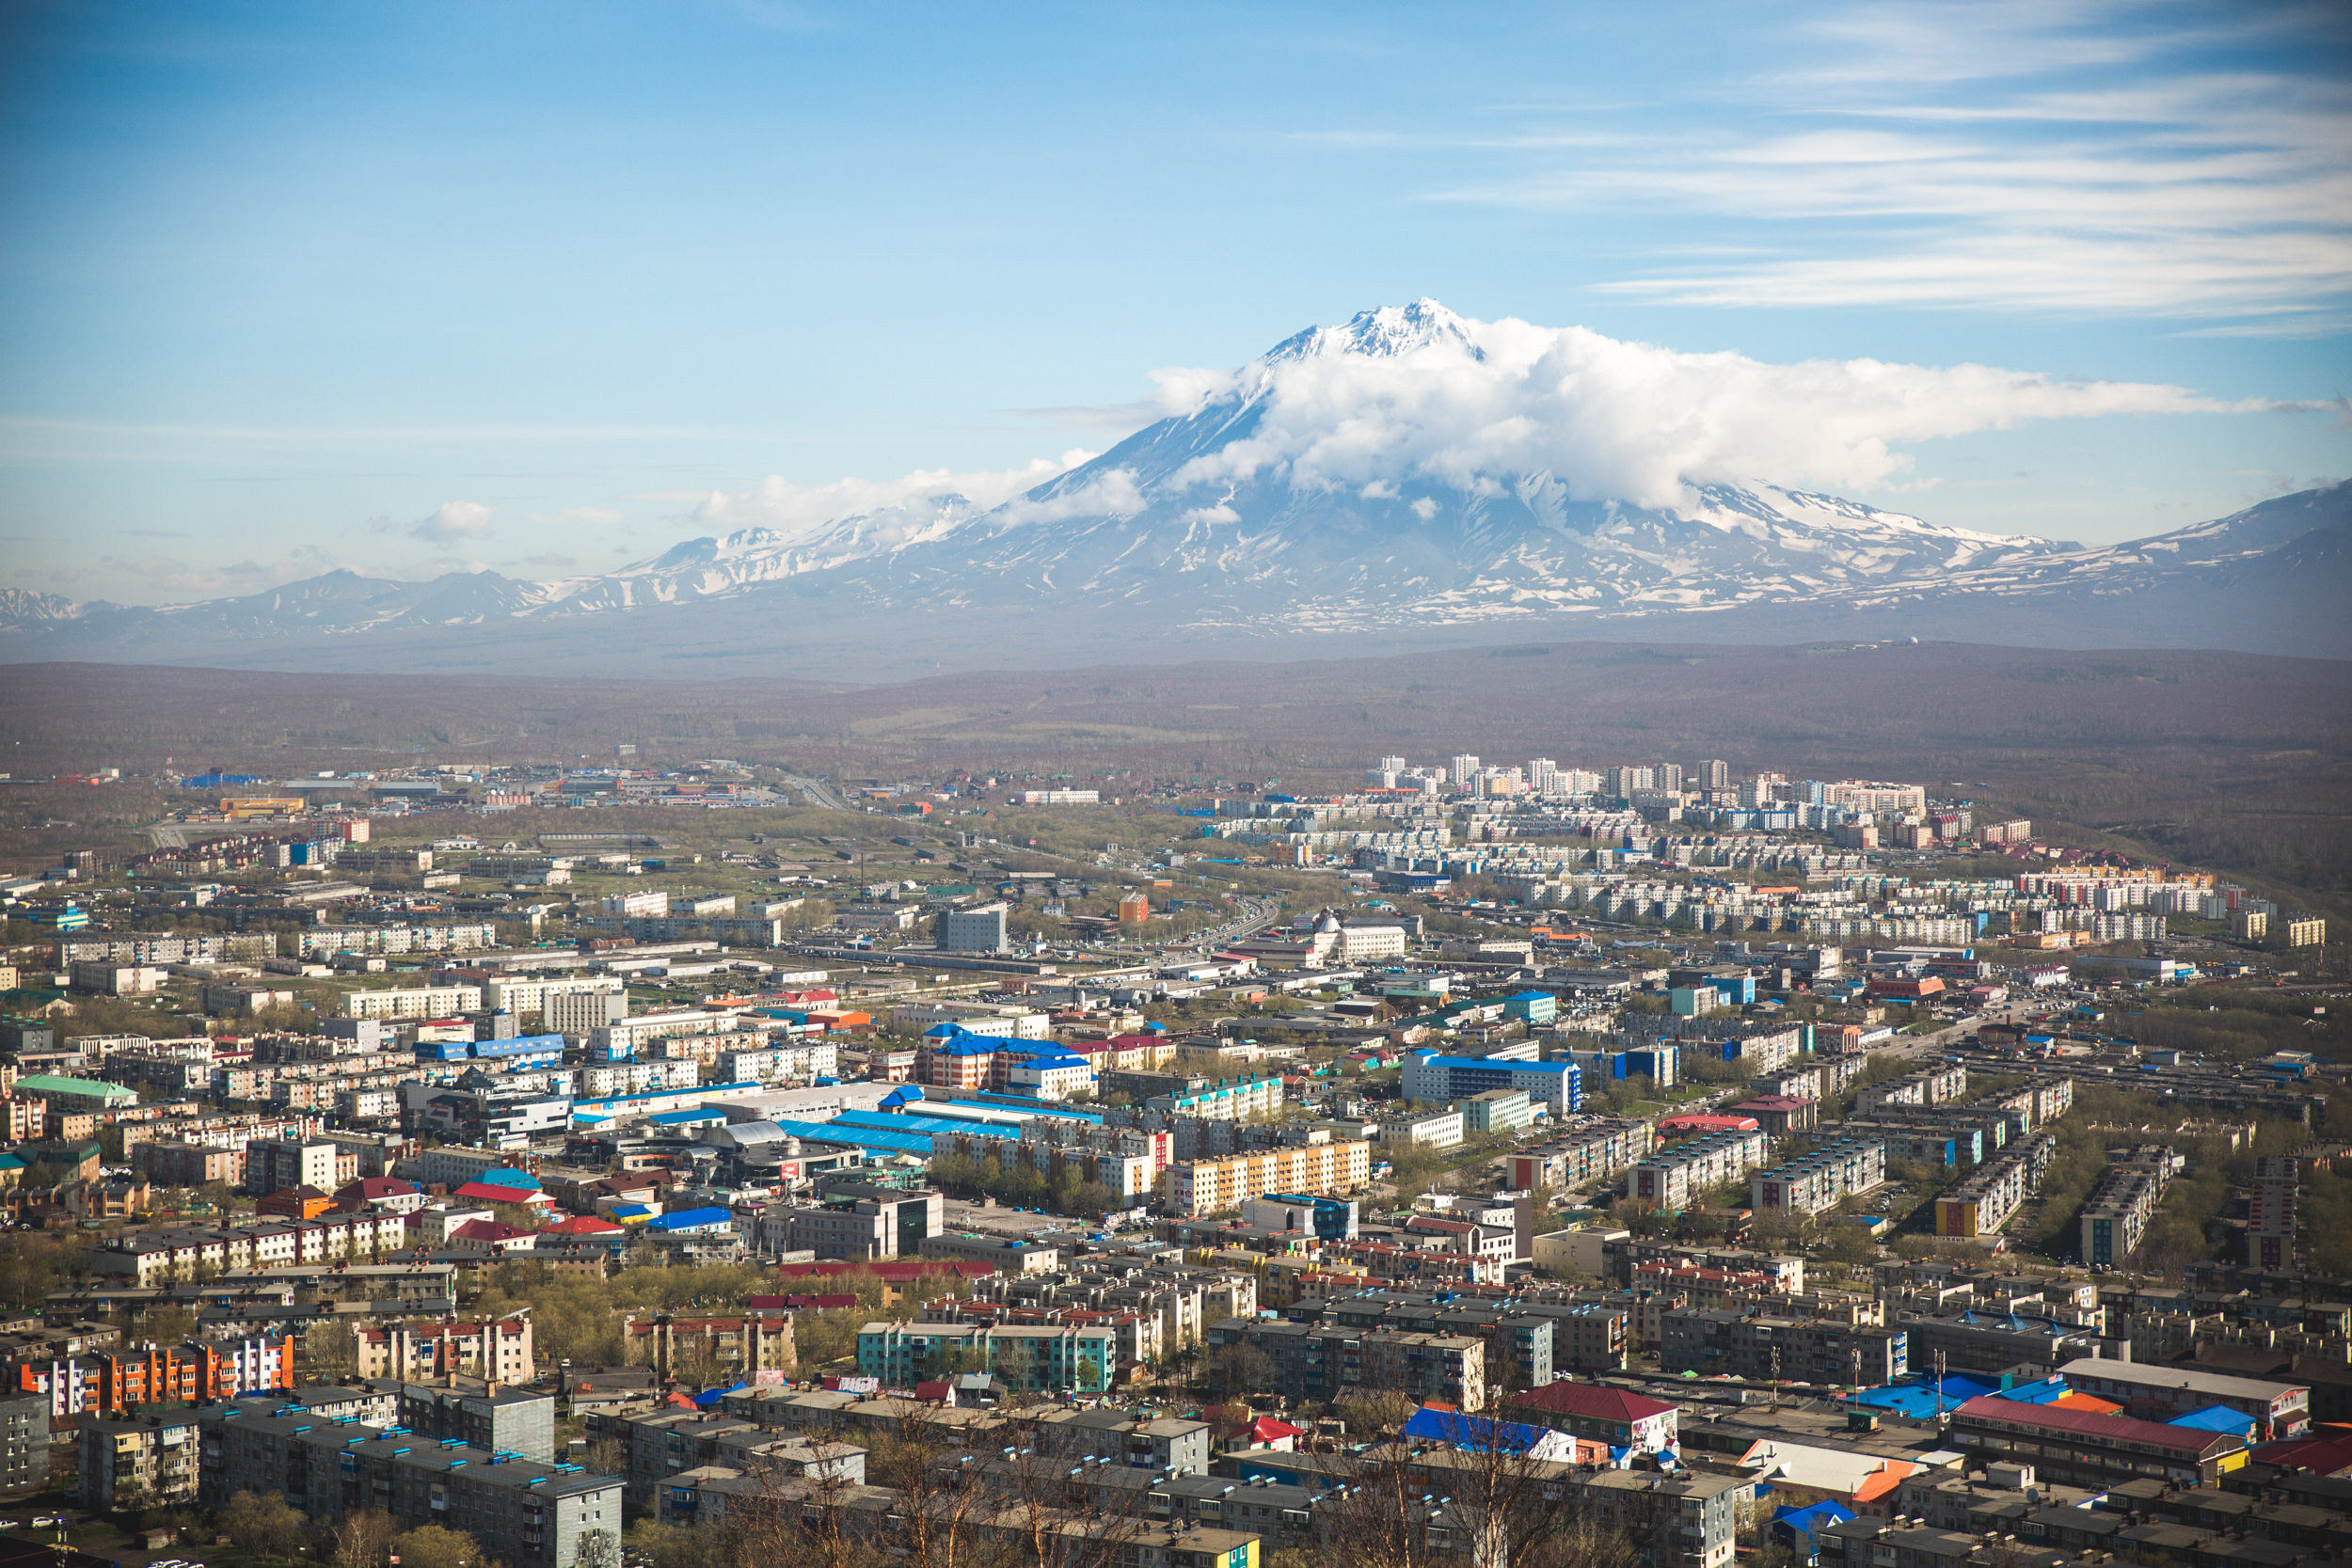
819,793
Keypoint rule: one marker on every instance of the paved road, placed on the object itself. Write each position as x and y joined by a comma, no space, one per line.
818,792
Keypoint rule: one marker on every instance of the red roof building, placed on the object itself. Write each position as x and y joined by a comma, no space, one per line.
1696,1122
2080,1448
1266,1432
584,1224
1611,1416
1781,1114
490,1236
488,1192
380,1195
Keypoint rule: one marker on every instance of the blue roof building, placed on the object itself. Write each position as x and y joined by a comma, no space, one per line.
1443,1080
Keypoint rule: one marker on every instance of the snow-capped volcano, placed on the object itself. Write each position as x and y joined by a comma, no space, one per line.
1409,470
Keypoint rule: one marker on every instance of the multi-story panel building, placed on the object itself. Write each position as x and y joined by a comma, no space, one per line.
273,1164
524,1512
1081,1357
1677,1175
728,1346
2271,1214
1600,1147
499,1349
23,1442
1814,1182
177,1164
2119,1212
143,1464
855,1220
1981,1205
1760,1345
404,1003
1311,1170
481,1412
1441,1080
1939,1085
1326,1362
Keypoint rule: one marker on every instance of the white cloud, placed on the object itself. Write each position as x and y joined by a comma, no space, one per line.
450,520
796,509
1111,494
1622,420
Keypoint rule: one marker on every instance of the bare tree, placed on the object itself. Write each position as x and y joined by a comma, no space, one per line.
363,1538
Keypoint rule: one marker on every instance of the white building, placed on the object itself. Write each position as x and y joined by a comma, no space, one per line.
1051,1077
404,1003
644,902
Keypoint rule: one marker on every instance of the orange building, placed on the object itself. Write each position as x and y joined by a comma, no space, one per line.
193,1372
295,1203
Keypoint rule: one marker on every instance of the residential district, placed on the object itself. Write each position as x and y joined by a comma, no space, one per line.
1722,1166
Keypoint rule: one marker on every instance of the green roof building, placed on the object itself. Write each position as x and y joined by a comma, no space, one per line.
76,1094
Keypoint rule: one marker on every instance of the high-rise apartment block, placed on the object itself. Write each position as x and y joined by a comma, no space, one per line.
273,1164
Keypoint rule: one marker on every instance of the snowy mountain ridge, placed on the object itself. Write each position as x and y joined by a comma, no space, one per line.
1409,469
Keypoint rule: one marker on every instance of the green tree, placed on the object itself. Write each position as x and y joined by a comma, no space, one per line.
433,1546
264,1526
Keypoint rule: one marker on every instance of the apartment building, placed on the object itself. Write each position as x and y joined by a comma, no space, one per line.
1677,1175
1981,1205
525,1513
402,1004
534,993
96,1382
1600,1147
1940,1084
454,1167
578,1014
628,1036
483,1413
2120,1210
2270,1215
145,1463
1328,1362
273,1164
23,1442
499,1349
1312,1170
1441,1080
777,1064
856,1221
1079,1357
1748,1344
735,1345
177,1253
1817,1182
188,1165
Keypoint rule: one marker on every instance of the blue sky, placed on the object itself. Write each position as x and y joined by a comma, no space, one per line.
425,287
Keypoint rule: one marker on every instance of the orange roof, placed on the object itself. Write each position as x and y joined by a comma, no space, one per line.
2071,1400
1884,1480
